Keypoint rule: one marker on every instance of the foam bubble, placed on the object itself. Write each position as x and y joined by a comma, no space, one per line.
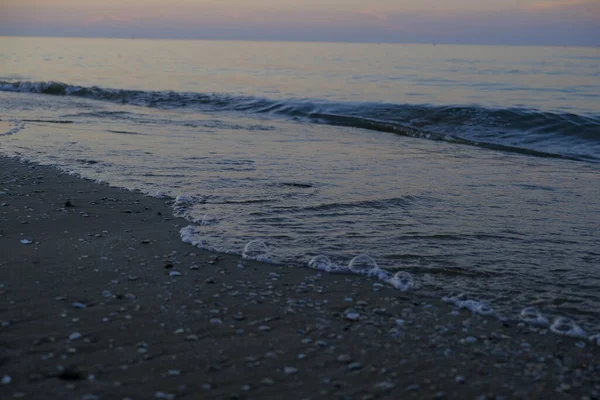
402,280
184,200
532,316
363,264
209,219
567,327
191,235
475,306
161,194
484,309
320,262
256,250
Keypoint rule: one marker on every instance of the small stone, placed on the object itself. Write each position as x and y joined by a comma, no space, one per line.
75,336
70,374
174,372
344,358
290,370
470,340
564,387
385,386
79,305
460,379
239,317
268,381
174,273
354,366
6,379
163,395
352,316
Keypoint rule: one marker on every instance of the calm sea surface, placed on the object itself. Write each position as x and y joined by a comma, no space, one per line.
475,169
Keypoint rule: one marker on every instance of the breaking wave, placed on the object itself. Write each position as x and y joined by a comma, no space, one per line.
526,131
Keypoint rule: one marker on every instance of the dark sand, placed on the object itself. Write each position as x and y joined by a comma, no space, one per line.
100,270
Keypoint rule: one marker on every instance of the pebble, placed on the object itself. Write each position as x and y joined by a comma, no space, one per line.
344,358
384,386
75,336
163,395
352,316
354,366
470,340
290,370
6,379
174,273
412,388
460,379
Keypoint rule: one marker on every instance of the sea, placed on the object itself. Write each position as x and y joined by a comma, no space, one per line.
473,171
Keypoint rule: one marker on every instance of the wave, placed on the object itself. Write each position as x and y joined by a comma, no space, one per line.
526,131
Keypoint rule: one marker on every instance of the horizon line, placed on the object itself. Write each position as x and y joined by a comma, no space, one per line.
134,37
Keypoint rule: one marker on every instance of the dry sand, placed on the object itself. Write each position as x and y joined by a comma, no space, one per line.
90,311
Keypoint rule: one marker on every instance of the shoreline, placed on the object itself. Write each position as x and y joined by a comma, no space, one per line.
92,308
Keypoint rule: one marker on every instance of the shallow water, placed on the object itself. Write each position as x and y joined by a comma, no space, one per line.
318,149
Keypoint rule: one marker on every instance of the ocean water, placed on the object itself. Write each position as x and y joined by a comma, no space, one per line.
475,169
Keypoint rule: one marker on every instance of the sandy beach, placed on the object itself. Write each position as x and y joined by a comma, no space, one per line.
102,300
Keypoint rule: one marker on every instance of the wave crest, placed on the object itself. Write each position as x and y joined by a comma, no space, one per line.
532,132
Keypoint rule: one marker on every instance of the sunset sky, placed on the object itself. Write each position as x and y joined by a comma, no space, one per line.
544,22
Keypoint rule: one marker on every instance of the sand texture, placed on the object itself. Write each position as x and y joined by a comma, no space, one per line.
106,302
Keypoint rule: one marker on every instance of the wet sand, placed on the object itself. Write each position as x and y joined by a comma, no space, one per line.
106,302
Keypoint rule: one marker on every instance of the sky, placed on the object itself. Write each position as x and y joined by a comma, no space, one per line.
515,22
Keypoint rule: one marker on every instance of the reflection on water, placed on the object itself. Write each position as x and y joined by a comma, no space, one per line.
545,78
